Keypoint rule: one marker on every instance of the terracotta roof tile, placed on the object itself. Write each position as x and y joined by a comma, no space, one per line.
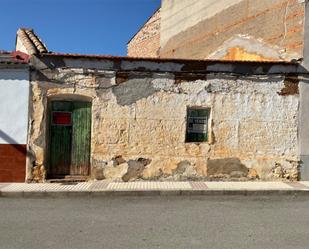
11,58
31,41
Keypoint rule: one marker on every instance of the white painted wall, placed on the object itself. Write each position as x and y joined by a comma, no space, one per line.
14,97
20,46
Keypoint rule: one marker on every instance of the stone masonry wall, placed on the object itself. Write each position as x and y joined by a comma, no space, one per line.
146,43
139,123
232,30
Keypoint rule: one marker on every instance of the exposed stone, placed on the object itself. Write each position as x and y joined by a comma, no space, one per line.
252,174
153,171
144,161
122,77
278,171
228,166
185,171
288,170
38,174
291,87
98,169
115,173
135,169
238,174
97,173
181,167
118,160
292,174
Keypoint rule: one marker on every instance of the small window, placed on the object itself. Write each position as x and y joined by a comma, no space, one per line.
197,125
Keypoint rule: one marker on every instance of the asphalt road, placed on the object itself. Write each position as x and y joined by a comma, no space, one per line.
155,222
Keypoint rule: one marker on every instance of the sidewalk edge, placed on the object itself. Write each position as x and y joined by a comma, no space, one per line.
109,193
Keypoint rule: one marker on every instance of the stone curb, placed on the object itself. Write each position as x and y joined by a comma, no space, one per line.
115,193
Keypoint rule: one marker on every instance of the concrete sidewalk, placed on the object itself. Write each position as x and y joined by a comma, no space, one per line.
106,188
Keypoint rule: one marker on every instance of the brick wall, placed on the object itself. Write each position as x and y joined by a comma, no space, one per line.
146,43
12,162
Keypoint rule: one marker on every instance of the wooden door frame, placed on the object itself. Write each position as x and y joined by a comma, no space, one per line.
67,98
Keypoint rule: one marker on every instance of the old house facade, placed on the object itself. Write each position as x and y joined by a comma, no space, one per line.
124,119
97,117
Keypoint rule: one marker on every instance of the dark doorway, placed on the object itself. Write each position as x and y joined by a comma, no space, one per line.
69,139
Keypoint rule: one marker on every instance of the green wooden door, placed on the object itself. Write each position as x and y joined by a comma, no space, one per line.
60,138
81,138
69,143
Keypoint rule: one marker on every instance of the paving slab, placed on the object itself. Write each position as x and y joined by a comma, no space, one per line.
107,188
46,187
149,186
298,185
2,185
99,185
305,183
248,186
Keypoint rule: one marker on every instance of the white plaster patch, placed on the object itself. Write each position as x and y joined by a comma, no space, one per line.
14,97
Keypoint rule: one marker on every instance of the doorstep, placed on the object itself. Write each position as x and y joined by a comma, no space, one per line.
67,179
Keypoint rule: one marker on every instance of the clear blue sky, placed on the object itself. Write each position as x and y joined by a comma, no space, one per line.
76,26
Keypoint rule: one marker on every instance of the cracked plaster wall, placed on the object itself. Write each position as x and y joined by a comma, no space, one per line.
139,124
